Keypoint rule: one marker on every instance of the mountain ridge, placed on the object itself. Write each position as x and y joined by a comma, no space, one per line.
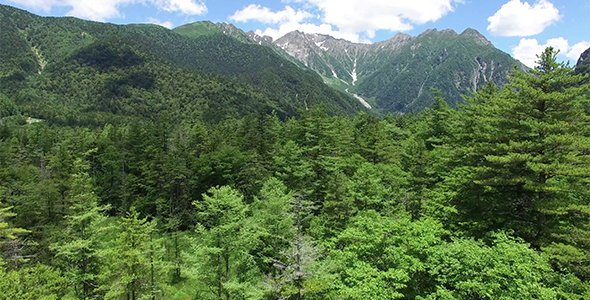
397,75
583,63
391,76
86,67
388,72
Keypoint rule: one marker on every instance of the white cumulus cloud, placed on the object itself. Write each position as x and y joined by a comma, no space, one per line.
347,19
577,49
265,15
369,16
516,18
528,49
287,20
189,7
101,10
42,5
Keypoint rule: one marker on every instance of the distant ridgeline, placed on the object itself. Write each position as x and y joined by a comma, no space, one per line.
398,74
394,75
77,72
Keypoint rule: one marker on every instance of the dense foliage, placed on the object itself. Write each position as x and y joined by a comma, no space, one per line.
485,201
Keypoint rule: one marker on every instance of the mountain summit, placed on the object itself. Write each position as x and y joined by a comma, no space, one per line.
583,64
397,75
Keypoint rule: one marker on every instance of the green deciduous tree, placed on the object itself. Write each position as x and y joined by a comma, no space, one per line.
506,269
222,254
379,257
134,268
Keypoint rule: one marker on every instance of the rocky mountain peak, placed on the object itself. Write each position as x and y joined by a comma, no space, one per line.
227,28
474,33
260,39
437,33
395,42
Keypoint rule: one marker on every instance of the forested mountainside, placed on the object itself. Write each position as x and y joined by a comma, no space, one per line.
142,163
73,71
485,201
397,75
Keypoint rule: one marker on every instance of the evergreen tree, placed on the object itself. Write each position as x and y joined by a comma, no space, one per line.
272,216
296,276
522,159
79,244
8,236
6,230
38,282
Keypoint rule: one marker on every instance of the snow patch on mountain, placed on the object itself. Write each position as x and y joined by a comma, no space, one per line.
353,74
361,100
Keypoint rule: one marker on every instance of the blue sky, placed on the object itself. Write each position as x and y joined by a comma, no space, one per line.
522,28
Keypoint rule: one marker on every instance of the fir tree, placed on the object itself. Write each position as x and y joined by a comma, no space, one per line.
522,157
79,245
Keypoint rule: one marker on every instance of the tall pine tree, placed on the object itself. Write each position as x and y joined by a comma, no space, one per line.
522,159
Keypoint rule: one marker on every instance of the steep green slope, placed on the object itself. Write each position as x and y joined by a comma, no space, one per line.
208,28
198,29
455,64
87,68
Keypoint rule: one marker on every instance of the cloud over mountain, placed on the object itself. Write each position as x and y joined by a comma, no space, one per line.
347,19
528,49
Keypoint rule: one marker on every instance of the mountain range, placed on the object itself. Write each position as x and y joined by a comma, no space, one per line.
71,70
395,75
75,71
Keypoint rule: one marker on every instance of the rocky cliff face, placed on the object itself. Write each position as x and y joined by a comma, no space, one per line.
337,58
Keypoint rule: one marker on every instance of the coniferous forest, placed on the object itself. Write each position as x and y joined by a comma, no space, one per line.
488,200
125,176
